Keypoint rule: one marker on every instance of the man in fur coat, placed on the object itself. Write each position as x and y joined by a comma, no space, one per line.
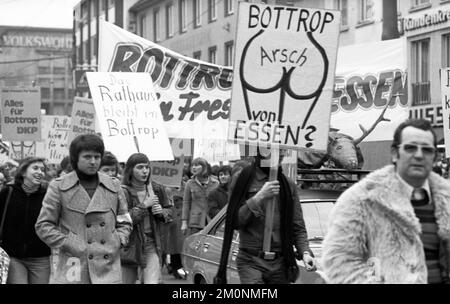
394,225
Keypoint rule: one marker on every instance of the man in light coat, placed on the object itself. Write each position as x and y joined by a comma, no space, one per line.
394,225
84,215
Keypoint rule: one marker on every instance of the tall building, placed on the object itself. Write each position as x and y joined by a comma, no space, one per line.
41,57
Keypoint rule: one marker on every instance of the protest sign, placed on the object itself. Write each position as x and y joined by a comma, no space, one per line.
365,84
83,118
55,132
22,149
283,75
129,117
445,93
21,113
215,151
4,152
194,96
168,173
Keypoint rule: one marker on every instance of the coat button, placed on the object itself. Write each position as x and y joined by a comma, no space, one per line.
91,257
102,242
106,256
88,225
89,242
102,224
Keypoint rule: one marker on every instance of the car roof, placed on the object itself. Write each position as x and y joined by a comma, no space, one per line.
318,194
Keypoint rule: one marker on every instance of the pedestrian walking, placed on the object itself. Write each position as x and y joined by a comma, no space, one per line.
394,225
149,208
194,216
20,205
218,197
250,192
84,215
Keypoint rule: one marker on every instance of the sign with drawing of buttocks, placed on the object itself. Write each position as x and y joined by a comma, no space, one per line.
130,120
283,75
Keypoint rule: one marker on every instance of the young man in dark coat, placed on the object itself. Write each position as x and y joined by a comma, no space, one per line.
250,192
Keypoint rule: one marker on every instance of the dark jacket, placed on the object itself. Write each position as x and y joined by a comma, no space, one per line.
138,211
19,236
217,199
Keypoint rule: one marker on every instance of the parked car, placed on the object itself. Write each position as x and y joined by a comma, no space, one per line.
202,250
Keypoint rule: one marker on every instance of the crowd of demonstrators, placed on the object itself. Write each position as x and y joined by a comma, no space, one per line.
20,205
194,215
84,214
394,225
149,207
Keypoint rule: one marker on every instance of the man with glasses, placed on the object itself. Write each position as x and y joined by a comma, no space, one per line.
394,225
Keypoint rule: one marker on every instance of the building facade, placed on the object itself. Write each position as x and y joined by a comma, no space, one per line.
39,57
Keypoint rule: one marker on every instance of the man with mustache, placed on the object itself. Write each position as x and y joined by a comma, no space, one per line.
394,225
84,214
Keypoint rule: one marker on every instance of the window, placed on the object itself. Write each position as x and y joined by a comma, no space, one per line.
420,74
103,5
142,26
59,94
84,10
365,12
212,10
44,70
197,13
111,3
169,20
94,47
229,7
420,2
59,70
212,54
45,93
228,53
342,6
197,55
85,51
446,50
156,25
93,9
183,15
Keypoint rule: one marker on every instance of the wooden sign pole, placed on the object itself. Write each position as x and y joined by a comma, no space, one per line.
270,207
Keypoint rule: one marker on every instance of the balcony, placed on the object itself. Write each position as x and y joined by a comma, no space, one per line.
421,93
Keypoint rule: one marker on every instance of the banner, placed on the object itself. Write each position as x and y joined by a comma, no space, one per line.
284,70
83,118
168,173
21,113
129,117
55,132
445,93
194,96
368,77
215,151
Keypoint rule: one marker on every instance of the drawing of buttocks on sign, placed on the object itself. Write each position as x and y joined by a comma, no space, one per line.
284,69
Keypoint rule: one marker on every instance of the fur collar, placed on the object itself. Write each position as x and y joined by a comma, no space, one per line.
382,187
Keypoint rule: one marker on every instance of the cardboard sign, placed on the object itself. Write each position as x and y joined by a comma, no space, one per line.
445,93
215,151
194,96
283,75
83,118
21,113
168,173
365,84
22,149
130,120
55,132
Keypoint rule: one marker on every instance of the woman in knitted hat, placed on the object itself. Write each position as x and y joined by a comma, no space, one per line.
149,208
194,216
21,203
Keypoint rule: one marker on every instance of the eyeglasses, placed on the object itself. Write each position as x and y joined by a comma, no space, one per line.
412,149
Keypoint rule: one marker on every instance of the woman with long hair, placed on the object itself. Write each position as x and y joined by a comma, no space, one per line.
195,216
149,208
21,203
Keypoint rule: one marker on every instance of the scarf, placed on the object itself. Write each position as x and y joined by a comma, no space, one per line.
237,199
29,187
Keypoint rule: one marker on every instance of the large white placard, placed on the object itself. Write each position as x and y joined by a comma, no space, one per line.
283,75
445,93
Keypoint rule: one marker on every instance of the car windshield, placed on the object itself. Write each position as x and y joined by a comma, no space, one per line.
316,218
